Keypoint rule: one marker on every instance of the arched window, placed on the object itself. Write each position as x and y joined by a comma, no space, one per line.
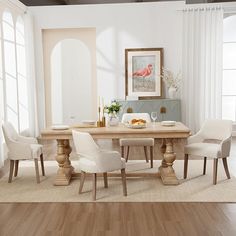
14,77
10,69
229,69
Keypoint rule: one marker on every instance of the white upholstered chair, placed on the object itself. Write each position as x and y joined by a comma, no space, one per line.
95,160
145,142
21,148
212,141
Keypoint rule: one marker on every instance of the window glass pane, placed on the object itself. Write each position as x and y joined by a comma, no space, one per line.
229,82
10,60
8,26
12,117
229,55
228,107
24,118
21,64
11,93
229,29
20,31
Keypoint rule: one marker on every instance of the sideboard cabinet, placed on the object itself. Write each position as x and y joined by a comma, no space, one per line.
167,109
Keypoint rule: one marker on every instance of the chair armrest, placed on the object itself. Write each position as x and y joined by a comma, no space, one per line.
197,138
225,147
29,140
19,150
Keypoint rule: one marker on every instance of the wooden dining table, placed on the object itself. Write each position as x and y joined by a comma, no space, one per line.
168,134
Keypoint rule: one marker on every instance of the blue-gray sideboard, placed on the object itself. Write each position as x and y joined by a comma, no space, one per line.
167,109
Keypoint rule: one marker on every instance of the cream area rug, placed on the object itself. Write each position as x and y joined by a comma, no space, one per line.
197,188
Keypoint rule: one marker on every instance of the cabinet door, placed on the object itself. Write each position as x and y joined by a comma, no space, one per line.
172,110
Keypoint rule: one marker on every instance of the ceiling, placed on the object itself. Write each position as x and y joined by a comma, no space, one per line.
70,2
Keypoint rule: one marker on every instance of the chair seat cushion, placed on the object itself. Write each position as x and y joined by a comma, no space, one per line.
203,149
137,142
90,166
36,150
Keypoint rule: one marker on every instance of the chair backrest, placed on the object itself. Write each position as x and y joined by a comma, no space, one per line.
9,132
127,117
216,129
85,145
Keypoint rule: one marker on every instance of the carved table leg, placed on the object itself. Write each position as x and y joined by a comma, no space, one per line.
166,170
65,169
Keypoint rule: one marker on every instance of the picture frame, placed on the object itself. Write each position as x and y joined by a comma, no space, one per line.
143,67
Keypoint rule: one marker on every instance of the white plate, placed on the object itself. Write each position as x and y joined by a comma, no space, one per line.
136,126
168,123
60,127
89,122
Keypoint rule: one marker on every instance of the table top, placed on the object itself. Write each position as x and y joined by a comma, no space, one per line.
153,130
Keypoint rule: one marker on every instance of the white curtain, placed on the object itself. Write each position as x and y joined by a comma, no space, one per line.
202,65
30,63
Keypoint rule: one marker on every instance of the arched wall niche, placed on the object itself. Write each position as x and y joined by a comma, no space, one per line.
86,38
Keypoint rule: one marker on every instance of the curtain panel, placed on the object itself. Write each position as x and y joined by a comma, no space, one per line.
202,65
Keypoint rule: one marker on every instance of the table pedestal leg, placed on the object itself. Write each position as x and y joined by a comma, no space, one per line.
65,169
166,170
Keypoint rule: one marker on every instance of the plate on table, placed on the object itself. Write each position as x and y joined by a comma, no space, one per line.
89,122
60,127
168,123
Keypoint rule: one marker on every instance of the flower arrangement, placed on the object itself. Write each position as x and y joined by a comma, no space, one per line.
171,80
113,108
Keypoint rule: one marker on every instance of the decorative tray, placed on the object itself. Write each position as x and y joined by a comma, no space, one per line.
138,126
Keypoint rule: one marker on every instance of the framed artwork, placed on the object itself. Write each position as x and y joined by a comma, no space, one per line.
142,72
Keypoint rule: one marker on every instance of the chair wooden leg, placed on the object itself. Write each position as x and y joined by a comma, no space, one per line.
42,165
11,171
204,165
146,154
151,156
16,168
123,175
37,170
215,166
122,151
226,167
94,186
82,178
127,154
185,166
105,180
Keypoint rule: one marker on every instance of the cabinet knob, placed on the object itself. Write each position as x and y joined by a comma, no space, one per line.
163,110
129,110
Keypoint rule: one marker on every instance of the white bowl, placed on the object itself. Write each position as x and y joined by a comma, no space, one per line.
168,123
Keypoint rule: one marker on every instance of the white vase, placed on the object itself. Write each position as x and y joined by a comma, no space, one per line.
172,92
113,120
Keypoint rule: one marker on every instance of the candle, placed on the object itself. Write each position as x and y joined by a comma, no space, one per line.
102,103
98,101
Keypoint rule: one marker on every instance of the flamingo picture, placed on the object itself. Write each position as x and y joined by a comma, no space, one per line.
144,72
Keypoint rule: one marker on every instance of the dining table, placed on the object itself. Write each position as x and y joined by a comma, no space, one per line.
168,135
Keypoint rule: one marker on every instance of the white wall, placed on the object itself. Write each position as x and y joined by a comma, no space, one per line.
118,26
76,82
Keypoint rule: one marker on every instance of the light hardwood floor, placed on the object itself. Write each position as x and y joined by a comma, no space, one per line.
101,219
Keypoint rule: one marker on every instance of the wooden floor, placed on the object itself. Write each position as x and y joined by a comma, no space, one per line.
101,219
